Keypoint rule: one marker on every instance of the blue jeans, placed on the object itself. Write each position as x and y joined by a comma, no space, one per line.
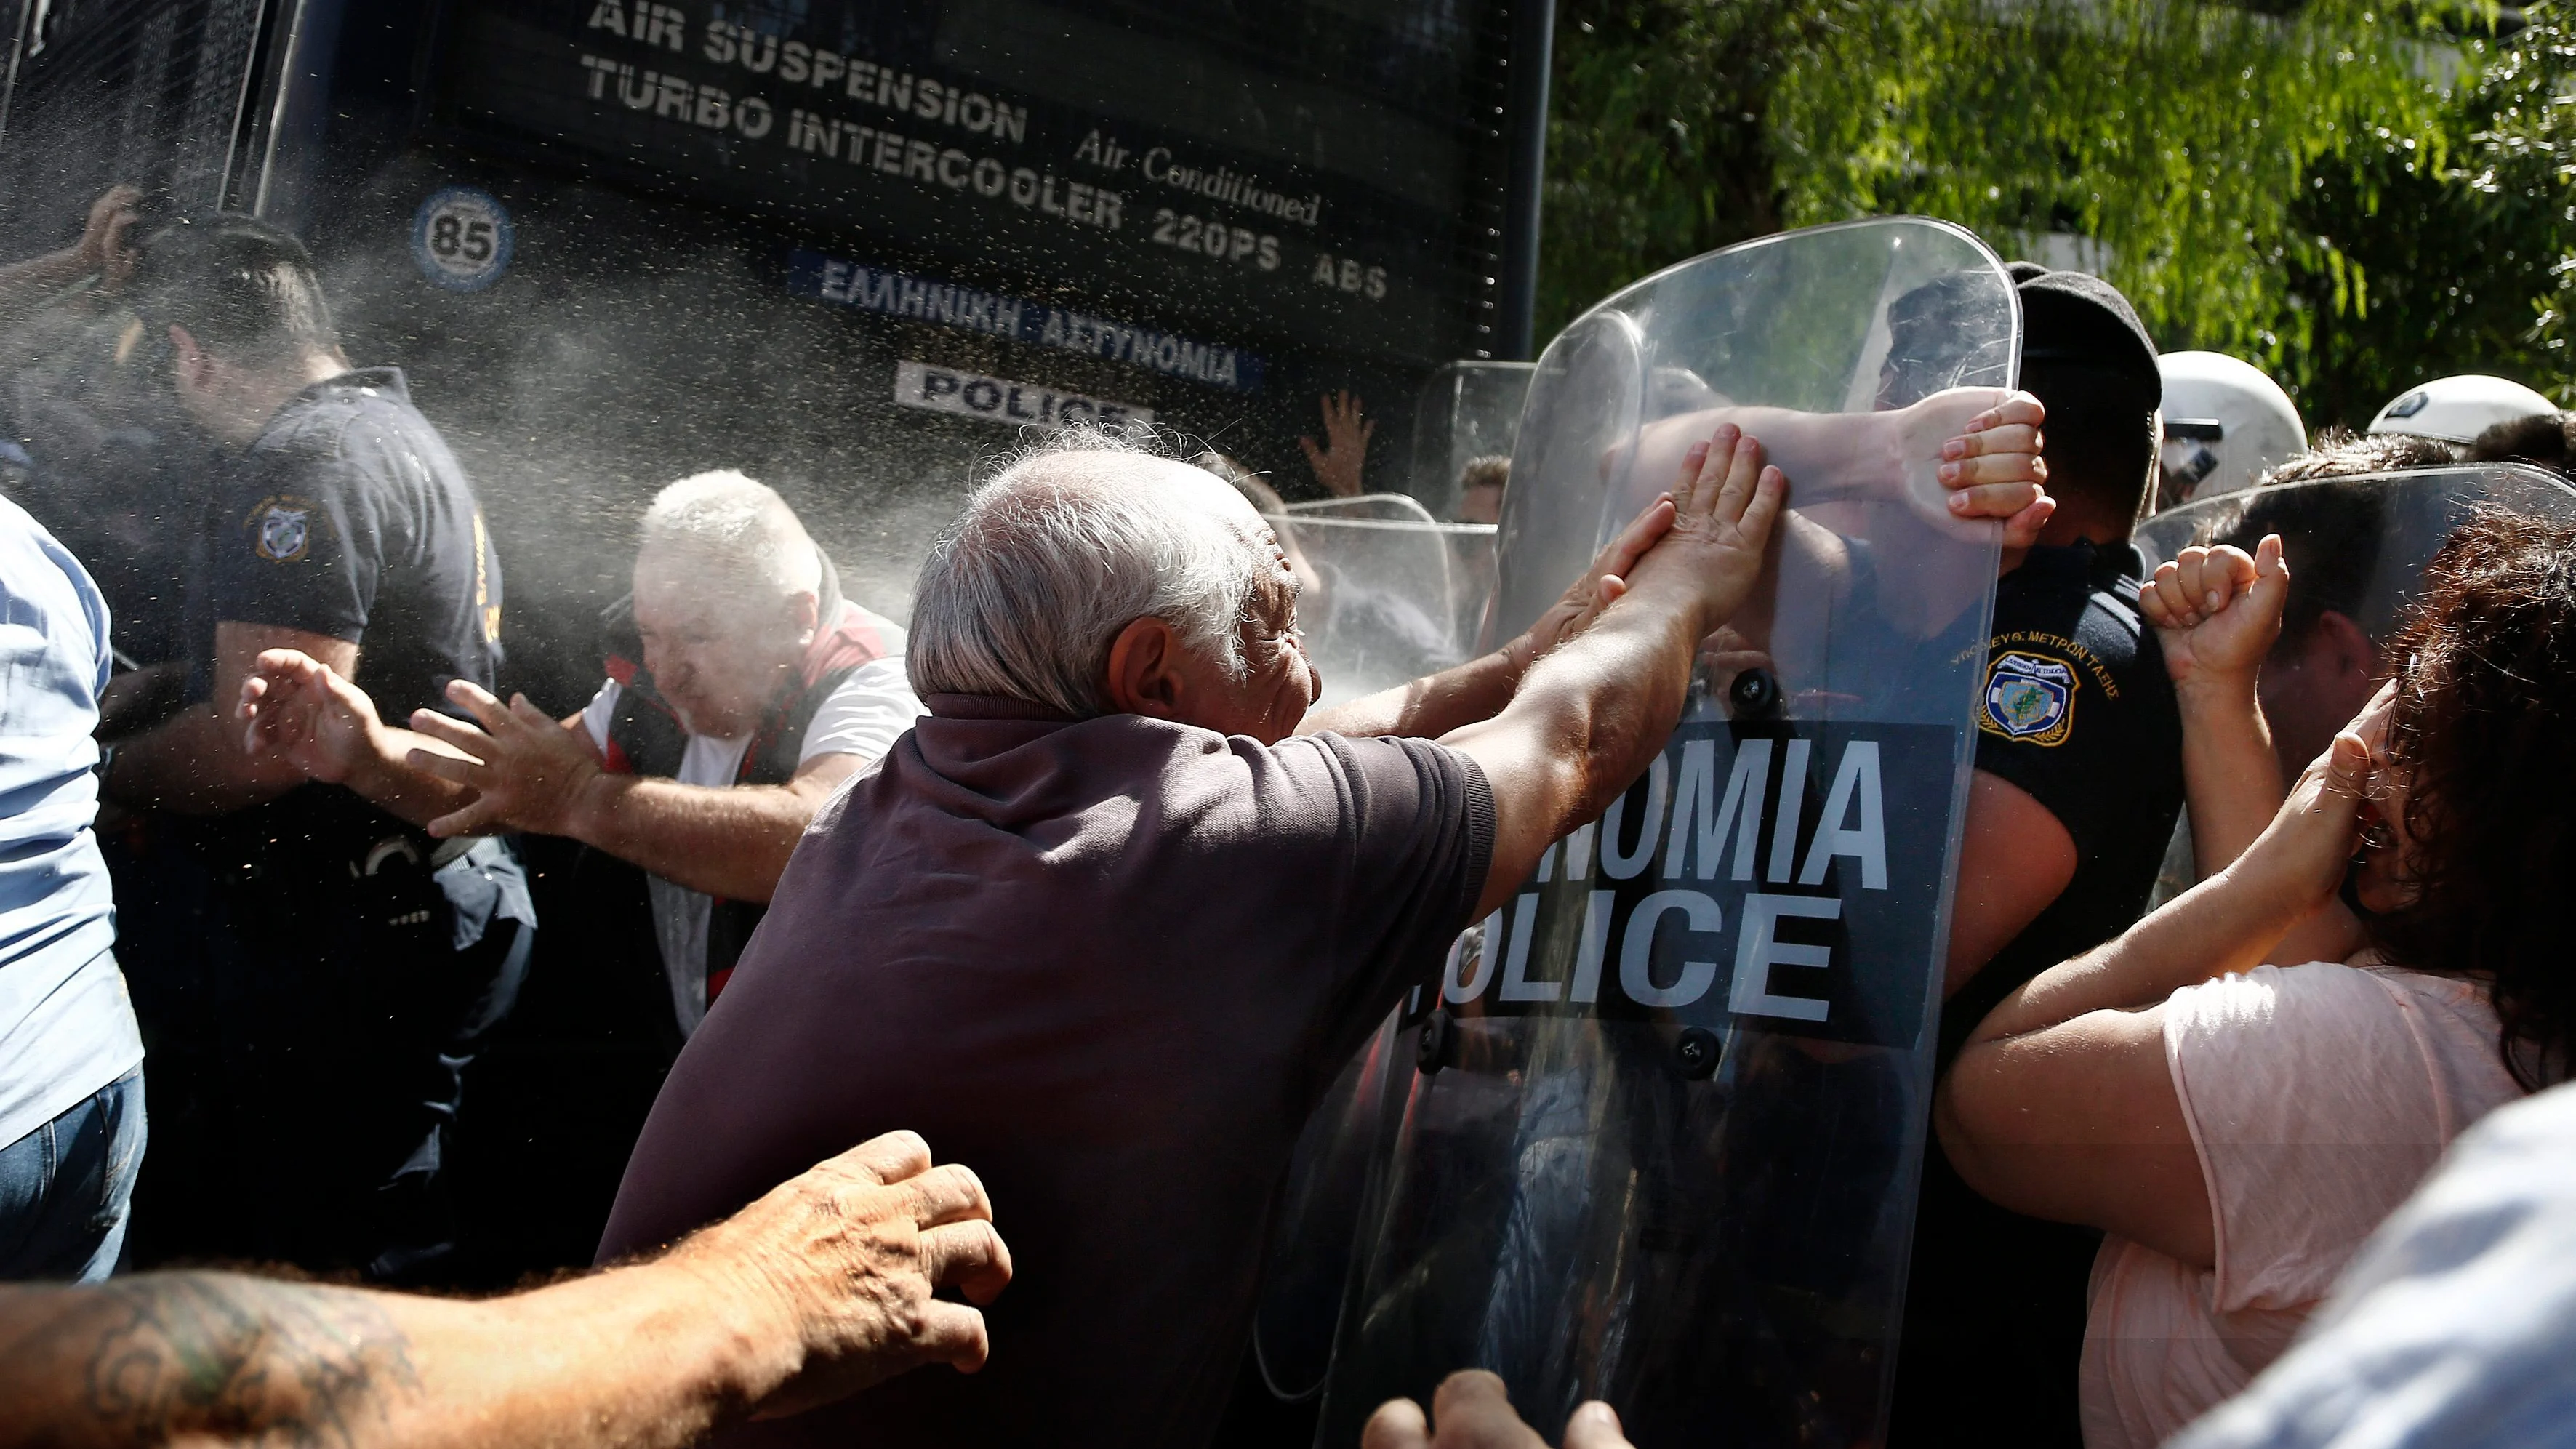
64,1187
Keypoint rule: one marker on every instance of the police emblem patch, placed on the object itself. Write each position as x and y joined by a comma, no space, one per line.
2029,698
282,529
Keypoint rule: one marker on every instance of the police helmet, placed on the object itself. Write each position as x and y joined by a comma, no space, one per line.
2457,409
2225,423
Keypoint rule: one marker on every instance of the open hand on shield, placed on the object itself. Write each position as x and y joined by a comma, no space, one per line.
1713,551
528,772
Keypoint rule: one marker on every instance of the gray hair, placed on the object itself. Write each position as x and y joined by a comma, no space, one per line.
738,530
1023,595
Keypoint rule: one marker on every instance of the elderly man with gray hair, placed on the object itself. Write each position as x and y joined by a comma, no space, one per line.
742,689
1111,915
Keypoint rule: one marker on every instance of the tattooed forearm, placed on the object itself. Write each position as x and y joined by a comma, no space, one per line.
214,1356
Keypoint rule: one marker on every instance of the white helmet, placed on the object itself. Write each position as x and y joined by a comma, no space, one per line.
2225,423
2457,409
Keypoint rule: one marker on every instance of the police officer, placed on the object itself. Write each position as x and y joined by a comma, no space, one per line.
313,973
2078,780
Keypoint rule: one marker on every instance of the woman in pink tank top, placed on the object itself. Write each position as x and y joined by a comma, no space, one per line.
2240,1087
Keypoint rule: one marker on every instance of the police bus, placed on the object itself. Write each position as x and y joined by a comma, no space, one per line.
846,247
849,247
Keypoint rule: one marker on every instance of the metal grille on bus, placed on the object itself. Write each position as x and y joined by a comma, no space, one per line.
143,91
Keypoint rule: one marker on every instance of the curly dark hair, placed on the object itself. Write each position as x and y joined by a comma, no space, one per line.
2484,721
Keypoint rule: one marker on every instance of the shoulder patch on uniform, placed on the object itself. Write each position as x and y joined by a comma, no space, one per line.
2030,698
281,527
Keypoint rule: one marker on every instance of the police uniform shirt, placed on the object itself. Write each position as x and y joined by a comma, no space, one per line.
2076,710
350,518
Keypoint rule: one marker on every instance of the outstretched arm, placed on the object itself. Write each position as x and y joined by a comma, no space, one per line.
1592,714
2061,1104
523,770
1965,453
298,709
193,763
1994,471
822,1287
1477,690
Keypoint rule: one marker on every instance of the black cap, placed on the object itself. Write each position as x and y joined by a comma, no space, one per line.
2071,319
2022,272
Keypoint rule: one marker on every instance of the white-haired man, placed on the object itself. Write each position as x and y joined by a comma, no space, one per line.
742,688
1117,908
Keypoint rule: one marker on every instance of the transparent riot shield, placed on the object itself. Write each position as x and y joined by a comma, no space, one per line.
2383,526
1468,410
2357,548
1335,1181
1663,1138
1470,547
1384,599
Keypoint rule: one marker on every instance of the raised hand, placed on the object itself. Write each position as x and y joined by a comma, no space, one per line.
1724,505
1474,1412
526,769
2217,611
2312,840
1338,462
300,709
1603,582
853,1252
102,247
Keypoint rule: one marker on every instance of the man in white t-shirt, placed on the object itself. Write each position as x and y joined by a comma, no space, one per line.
742,690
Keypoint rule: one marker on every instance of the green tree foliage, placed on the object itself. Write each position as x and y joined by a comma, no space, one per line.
2325,188
2523,175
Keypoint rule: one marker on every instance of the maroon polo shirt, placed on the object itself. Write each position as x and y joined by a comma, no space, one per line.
1111,965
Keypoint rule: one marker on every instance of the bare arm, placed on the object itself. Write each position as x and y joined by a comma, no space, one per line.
1590,716
299,709
2217,613
731,841
820,1288
2061,1105
526,771
1967,452
101,252
194,763
135,700
1994,472
2015,859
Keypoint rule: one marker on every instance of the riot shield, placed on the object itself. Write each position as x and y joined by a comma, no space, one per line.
1334,1181
2397,519
2357,548
1467,410
1385,599
1391,507
1664,1135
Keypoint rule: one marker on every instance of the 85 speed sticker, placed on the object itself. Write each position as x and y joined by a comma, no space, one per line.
460,239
